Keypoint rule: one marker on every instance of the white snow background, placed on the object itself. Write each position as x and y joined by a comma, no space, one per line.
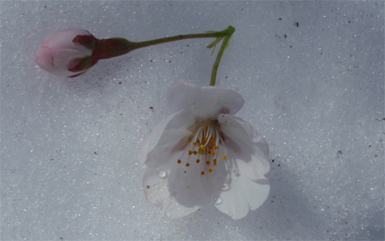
69,167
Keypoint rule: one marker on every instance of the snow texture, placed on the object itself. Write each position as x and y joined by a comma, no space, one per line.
312,75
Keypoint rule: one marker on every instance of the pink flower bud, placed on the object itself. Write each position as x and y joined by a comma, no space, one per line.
60,55
72,52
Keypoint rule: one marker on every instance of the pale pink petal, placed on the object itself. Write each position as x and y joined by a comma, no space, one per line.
164,138
232,192
245,146
175,187
218,180
206,102
57,60
63,39
155,186
243,195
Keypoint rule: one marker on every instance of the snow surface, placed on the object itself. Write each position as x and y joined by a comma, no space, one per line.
69,167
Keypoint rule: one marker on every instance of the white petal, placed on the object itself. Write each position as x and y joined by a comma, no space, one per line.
218,180
232,192
205,102
164,137
245,146
175,188
153,138
243,196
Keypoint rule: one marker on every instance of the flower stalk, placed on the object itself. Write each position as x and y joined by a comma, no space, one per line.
224,34
218,59
227,32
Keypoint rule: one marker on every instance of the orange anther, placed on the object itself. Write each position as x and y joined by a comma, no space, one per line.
198,160
179,161
210,170
223,157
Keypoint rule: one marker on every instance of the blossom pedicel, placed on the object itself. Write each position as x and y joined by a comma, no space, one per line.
72,52
203,153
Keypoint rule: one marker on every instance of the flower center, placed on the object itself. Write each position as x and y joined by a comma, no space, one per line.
206,147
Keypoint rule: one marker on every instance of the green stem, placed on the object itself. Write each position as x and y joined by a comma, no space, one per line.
218,59
137,45
109,48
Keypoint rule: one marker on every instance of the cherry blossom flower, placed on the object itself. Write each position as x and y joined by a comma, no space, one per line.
204,154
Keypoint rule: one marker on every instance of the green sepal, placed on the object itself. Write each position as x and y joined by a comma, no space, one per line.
214,43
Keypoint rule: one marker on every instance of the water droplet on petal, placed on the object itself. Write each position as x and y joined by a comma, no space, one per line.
162,173
221,183
226,186
217,200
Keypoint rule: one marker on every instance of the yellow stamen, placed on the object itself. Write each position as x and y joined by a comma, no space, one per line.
215,146
198,160
195,152
208,162
223,157
213,153
210,170
187,164
215,162
179,161
202,173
